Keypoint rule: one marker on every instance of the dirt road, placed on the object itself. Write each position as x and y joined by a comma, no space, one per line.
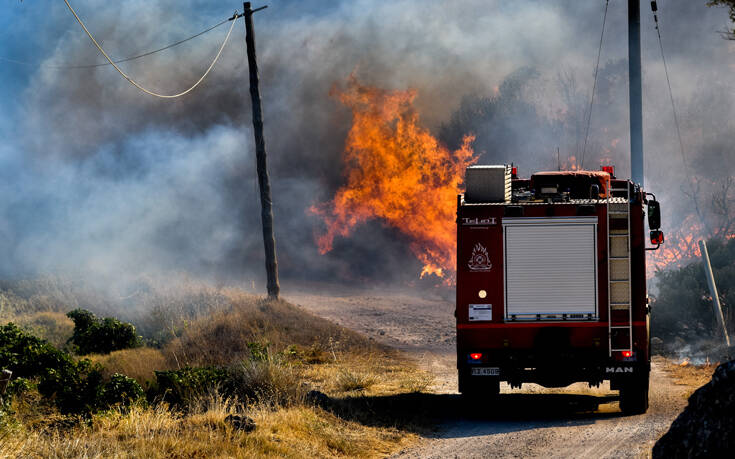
532,422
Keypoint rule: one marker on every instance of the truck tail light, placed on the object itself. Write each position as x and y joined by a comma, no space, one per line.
475,356
610,170
514,172
627,354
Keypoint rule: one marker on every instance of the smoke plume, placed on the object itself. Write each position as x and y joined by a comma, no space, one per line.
96,177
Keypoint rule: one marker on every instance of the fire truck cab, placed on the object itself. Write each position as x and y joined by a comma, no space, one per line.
551,282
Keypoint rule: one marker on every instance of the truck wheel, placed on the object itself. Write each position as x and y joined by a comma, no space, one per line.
634,396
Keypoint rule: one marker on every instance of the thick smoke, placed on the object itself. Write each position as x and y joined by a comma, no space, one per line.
98,177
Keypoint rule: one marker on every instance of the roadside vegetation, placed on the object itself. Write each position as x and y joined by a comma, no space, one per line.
196,372
682,313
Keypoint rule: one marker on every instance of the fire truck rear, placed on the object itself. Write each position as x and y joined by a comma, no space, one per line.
551,282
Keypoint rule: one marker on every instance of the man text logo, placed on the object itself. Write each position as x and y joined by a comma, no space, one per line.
618,369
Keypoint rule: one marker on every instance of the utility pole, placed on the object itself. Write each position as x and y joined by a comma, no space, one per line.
269,240
636,91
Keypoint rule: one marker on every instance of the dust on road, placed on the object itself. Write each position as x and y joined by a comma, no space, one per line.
530,422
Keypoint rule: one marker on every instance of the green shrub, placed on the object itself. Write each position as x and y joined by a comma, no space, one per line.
258,351
26,355
120,390
180,386
267,380
75,387
101,336
270,381
19,386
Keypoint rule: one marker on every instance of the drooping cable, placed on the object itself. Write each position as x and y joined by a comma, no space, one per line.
117,61
594,86
654,8
133,82
671,93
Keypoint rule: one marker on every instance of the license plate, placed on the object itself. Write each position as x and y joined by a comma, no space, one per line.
486,372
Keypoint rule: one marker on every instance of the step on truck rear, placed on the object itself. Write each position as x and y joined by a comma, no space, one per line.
551,282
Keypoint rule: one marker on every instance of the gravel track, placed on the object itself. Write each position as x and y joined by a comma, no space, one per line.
531,422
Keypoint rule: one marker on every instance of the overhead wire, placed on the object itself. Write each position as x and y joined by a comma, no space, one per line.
133,82
671,92
654,8
594,85
117,61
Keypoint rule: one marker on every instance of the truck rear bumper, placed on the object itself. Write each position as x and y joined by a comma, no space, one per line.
557,369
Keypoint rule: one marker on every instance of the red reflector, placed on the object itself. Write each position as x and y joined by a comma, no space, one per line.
514,171
476,356
609,169
627,354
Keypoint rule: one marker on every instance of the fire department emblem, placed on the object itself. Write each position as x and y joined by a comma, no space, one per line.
480,260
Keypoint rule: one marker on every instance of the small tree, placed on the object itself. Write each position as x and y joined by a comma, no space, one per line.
730,35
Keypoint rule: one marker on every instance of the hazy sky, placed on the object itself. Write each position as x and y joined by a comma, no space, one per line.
95,175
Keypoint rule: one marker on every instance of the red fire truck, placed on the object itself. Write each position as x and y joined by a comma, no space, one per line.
551,282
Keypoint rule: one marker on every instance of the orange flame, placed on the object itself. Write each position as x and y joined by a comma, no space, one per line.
396,171
680,247
570,164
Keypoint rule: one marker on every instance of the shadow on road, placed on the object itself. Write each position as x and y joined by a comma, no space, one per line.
421,412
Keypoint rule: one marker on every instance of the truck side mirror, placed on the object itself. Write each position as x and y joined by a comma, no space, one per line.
654,214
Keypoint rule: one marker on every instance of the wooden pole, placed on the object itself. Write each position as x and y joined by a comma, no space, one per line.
269,240
713,290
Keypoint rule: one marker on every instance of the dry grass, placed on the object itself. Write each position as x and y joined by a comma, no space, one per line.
223,336
291,430
416,381
215,327
686,373
348,380
52,326
156,432
138,363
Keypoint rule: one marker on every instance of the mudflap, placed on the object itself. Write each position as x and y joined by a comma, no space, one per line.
484,387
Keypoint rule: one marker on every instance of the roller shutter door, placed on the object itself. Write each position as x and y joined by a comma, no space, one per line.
550,268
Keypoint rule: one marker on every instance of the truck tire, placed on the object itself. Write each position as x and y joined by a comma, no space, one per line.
634,396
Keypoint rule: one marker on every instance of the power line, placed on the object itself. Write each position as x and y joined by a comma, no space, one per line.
671,92
133,82
594,86
654,8
127,59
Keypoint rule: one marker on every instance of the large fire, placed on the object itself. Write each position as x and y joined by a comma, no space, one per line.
397,172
